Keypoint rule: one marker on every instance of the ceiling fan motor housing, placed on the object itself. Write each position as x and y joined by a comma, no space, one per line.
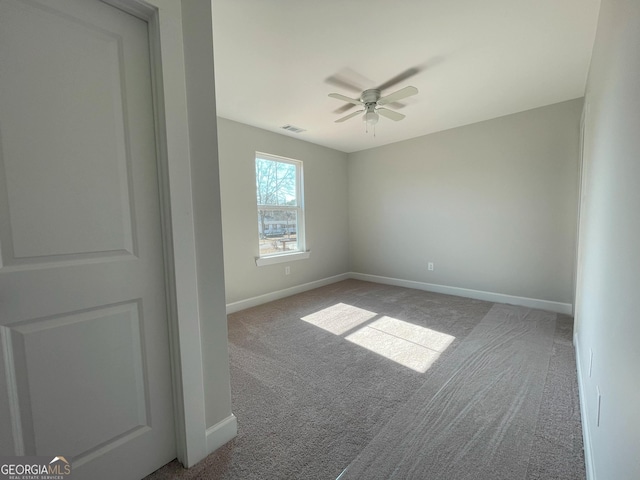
370,96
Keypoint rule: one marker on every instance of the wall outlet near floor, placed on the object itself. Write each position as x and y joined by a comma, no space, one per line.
430,266
287,270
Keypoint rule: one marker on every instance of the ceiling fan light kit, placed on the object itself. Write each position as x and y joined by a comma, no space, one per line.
371,117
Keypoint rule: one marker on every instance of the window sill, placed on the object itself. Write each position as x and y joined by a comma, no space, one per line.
286,257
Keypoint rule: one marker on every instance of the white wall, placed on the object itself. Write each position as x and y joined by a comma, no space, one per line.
607,314
492,204
198,51
325,192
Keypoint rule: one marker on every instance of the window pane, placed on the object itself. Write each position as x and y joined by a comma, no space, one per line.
279,202
275,183
278,231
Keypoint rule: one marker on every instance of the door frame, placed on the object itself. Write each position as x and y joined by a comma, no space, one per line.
164,18
577,268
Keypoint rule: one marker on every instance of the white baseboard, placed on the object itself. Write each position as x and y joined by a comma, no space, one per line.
586,435
277,295
221,433
557,307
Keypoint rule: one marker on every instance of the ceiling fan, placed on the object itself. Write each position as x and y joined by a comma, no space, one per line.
372,100
372,103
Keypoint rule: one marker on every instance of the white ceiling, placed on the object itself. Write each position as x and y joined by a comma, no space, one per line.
477,59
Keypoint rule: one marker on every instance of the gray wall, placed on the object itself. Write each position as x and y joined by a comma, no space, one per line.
325,192
607,313
492,204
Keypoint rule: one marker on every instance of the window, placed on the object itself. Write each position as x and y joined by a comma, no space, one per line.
280,208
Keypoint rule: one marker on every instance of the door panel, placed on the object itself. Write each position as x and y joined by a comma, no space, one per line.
86,66
85,351
91,336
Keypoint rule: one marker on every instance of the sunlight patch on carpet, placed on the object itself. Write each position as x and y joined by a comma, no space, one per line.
410,345
339,318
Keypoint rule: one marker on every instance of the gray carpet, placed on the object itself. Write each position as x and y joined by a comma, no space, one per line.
476,421
323,379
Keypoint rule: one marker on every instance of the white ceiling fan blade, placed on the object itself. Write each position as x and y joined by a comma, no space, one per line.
344,98
351,115
385,112
399,95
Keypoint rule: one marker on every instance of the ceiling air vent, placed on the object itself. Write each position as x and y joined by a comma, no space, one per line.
293,129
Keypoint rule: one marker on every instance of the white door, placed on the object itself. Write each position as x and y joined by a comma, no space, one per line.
85,369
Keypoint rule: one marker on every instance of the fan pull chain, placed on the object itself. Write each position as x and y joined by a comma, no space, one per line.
366,129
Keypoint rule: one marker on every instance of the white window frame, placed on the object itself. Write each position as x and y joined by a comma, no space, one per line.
301,253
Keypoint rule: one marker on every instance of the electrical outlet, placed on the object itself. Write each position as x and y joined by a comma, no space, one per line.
287,270
430,266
